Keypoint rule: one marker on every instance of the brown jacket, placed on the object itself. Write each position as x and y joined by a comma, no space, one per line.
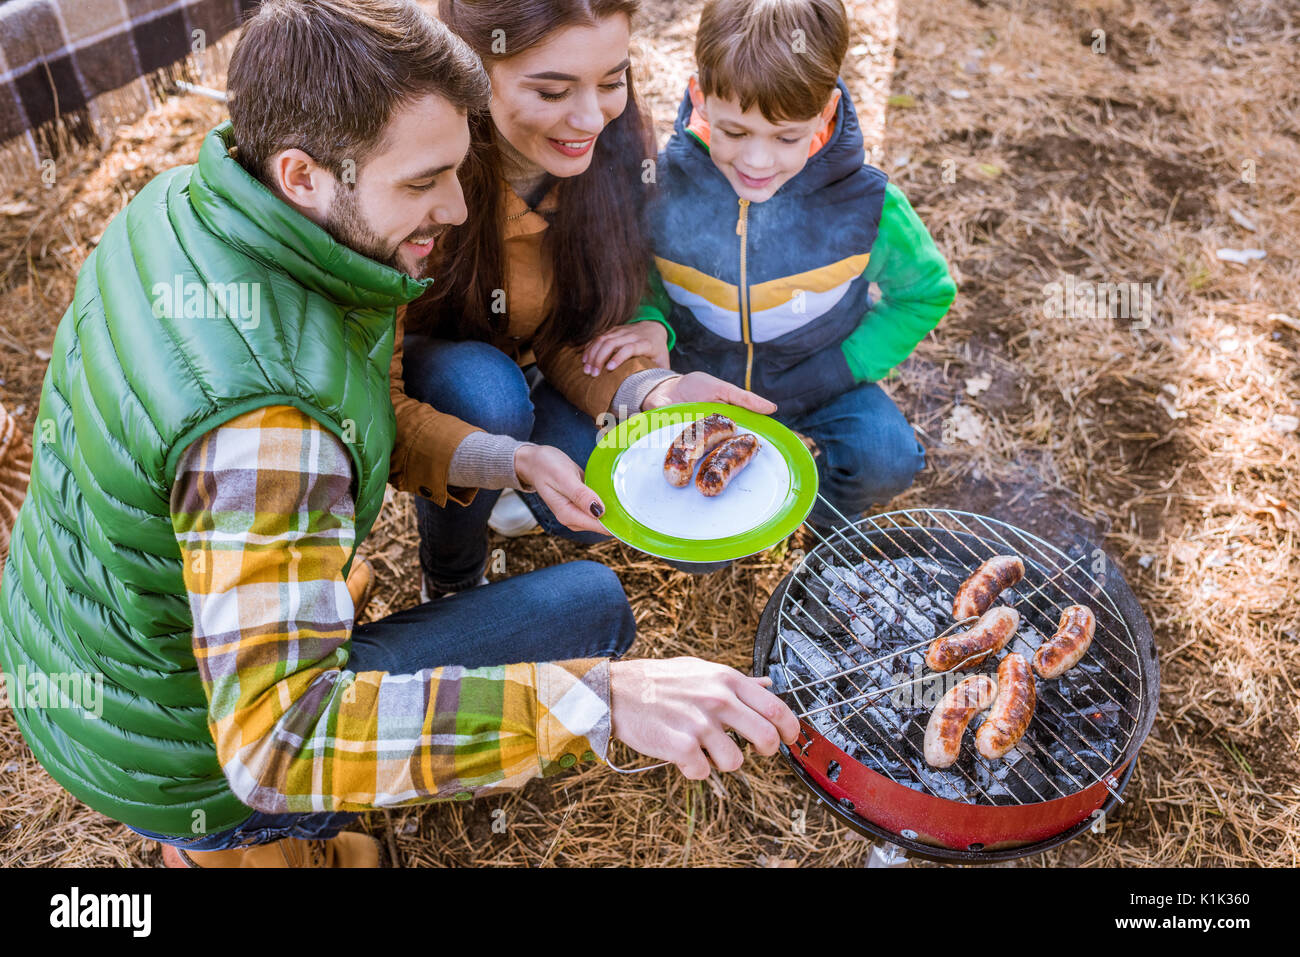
426,438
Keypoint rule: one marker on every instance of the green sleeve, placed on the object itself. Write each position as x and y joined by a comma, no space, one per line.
915,292
656,306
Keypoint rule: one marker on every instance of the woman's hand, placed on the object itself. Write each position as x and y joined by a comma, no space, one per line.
559,483
702,387
611,350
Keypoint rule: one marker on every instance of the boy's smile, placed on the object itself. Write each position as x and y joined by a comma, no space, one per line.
756,155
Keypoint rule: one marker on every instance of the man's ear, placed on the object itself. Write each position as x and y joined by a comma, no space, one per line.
697,97
832,105
303,183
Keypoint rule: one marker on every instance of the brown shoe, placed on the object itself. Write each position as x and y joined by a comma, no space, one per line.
349,849
360,580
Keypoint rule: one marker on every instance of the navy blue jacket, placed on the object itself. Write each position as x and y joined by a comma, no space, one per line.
777,329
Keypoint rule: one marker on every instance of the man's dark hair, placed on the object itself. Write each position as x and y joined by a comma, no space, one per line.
326,76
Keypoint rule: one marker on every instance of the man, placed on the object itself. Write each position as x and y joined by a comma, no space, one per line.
215,433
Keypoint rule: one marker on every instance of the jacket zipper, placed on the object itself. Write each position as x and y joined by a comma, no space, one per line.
742,230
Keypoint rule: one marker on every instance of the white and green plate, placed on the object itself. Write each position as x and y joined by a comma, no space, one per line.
760,507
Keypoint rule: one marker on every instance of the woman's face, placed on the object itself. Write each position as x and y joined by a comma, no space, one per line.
552,101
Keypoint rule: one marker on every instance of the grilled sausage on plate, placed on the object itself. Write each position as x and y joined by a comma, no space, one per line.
1063,650
694,442
977,593
948,720
987,636
1012,710
725,462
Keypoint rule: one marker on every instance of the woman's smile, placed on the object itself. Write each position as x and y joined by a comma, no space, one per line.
573,148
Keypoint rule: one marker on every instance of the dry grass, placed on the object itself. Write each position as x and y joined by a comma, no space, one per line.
1030,157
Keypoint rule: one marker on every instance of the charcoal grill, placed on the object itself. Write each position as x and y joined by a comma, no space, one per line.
844,636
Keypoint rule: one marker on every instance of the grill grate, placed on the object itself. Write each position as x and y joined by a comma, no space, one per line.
888,583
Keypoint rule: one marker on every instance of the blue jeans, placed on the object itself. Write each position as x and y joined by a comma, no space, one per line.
481,385
867,452
577,610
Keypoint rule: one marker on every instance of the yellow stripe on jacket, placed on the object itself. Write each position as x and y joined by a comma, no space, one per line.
778,306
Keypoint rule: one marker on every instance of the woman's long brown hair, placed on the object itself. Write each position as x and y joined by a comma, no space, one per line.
597,240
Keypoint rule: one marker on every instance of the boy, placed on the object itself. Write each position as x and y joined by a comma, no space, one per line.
768,228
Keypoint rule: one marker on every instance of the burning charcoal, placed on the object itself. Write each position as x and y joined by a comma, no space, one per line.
991,776
778,675
855,611
808,654
799,676
863,633
825,724
940,783
1106,713
931,570
814,589
1025,643
813,619
837,573
921,626
885,718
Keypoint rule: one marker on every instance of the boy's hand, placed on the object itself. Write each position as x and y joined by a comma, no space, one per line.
611,350
702,387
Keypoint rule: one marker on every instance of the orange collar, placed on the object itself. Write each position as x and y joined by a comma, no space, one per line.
518,219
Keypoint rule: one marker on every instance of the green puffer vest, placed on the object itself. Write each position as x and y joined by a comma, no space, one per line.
207,298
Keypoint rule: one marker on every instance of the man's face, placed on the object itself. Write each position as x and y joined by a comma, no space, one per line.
757,156
407,192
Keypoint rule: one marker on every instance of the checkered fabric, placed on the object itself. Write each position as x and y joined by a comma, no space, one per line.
264,518
58,56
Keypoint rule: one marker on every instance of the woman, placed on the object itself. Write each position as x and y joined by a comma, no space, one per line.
552,256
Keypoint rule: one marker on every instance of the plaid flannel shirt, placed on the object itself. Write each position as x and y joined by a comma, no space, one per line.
264,516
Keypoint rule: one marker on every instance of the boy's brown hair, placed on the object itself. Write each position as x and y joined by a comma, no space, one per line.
325,77
784,55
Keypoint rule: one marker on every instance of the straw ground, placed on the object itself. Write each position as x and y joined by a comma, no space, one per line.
1038,151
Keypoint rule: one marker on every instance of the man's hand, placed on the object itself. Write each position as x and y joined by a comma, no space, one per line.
612,349
680,708
702,387
559,483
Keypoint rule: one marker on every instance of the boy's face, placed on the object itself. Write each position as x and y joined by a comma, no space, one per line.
758,156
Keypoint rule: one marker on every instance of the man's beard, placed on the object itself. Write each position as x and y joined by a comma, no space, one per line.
348,226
